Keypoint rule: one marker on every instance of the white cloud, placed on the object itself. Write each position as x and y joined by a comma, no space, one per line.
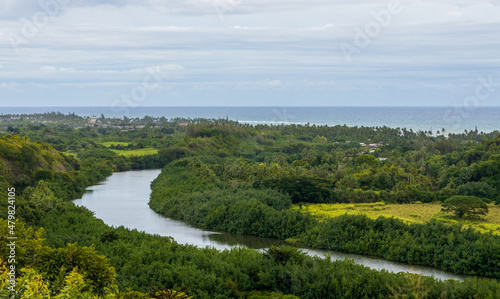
326,26
274,83
454,13
114,43
156,68
50,68
164,29
9,85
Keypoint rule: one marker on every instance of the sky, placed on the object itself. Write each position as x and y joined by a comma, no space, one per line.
249,53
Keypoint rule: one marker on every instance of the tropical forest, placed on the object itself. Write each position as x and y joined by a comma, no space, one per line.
414,197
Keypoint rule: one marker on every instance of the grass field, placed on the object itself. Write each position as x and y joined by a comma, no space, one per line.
409,213
132,152
111,143
136,152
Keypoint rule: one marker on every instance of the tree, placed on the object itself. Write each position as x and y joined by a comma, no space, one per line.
29,243
284,254
478,189
369,160
42,197
94,267
465,206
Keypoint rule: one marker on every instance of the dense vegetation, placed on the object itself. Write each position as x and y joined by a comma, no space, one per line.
189,189
244,179
141,259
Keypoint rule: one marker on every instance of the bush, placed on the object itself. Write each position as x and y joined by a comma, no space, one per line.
95,268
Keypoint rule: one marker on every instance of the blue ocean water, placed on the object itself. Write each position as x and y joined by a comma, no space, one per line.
453,120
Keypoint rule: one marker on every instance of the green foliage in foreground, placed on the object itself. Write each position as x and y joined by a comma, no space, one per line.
468,206
141,259
268,295
55,264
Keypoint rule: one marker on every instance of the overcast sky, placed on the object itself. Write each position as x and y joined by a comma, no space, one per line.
249,52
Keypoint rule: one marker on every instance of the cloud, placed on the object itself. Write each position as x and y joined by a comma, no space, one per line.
16,8
454,13
163,29
259,45
156,68
50,68
274,83
326,26
9,85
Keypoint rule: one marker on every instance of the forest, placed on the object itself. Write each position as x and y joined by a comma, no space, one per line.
252,180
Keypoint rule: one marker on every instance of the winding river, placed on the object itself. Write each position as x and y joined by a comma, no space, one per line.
122,200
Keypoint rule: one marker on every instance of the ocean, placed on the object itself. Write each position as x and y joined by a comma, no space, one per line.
453,120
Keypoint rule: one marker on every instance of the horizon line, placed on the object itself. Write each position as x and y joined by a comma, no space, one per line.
267,106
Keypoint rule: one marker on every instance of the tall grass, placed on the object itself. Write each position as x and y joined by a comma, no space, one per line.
136,152
409,213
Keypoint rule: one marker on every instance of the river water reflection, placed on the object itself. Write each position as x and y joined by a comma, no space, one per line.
122,200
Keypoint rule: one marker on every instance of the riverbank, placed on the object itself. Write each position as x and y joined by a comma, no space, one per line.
122,200
235,196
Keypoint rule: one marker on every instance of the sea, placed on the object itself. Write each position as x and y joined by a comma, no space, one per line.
451,119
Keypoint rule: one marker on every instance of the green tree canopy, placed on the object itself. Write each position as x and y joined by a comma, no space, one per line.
465,206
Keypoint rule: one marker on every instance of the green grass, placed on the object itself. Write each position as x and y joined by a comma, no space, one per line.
409,213
136,152
114,143
129,152
70,153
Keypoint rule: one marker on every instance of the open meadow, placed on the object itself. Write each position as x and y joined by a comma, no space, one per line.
114,143
128,152
136,152
409,213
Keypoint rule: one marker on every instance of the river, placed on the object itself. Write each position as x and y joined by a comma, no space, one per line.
122,200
